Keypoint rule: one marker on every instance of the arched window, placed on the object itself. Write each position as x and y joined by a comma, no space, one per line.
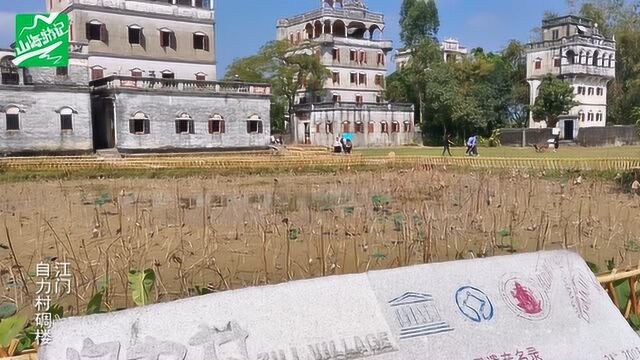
139,124
359,127
327,26
395,127
611,61
339,29
596,57
184,124
254,125
407,126
216,124
10,75
581,59
66,119
12,116
346,127
317,28
581,116
587,59
308,29
384,127
571,57
537,64
371,127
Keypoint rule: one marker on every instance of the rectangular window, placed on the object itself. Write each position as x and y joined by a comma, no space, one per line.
329,128
135,36
62,71
359,99
384,128
10,78
97,73
353,56
139,126
168,39
381,59
378,99
335,53
407,127
362,79
200,77
345,127
66,122
201,42
13,121
336,78
370,128
184,127
555,34
395,127
538,64
254,127
354,78
94,31
216,127
379,80
556,62
336,98
590,91
318,128
136,73
363,57
359,128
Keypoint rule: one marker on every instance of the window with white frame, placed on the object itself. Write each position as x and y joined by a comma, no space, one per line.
12,116
66,119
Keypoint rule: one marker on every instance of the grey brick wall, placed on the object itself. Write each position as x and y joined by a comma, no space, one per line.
40,127
513,137
162,110
608,136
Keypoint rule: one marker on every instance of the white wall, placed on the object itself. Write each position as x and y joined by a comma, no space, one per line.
123,66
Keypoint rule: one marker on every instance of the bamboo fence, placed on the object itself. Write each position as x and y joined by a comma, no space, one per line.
308,161
608,280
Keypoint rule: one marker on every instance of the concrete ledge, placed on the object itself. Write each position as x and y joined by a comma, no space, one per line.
192,151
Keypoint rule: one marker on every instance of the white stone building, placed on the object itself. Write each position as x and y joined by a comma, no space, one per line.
140,79
573,49
348,39
452,51
166,39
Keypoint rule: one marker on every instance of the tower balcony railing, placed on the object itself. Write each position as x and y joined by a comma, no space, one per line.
180,85
574,40
584,69
340,40
182,8
351,14
339,105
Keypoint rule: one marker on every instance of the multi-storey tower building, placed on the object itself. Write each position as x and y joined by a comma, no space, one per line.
572,48
348,39
141,38
452,51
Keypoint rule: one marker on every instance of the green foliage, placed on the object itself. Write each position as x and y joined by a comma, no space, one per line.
103,199
141,284
7,310
398,222
380,202
419,20
95,304
288,68
10,328
594,267
555,98
494,139
293,233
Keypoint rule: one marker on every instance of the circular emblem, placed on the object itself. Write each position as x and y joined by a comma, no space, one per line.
474,304
525,299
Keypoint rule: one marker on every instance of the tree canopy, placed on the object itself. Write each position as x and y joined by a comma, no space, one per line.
419,20
289,69
555,98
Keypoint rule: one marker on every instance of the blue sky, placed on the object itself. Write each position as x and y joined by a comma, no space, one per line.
244,25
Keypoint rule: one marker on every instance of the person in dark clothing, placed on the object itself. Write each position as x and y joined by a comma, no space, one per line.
447,145
348,146
556,143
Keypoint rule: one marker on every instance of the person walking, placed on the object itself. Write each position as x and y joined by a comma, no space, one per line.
556,143
472,142
447,144
337,146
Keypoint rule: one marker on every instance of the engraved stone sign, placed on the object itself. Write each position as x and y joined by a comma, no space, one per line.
538,306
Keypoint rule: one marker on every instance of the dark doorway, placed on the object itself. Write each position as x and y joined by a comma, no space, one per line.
568,129
103,111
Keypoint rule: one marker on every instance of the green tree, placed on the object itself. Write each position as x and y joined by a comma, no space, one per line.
419,20
515,60
555,98
289,69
